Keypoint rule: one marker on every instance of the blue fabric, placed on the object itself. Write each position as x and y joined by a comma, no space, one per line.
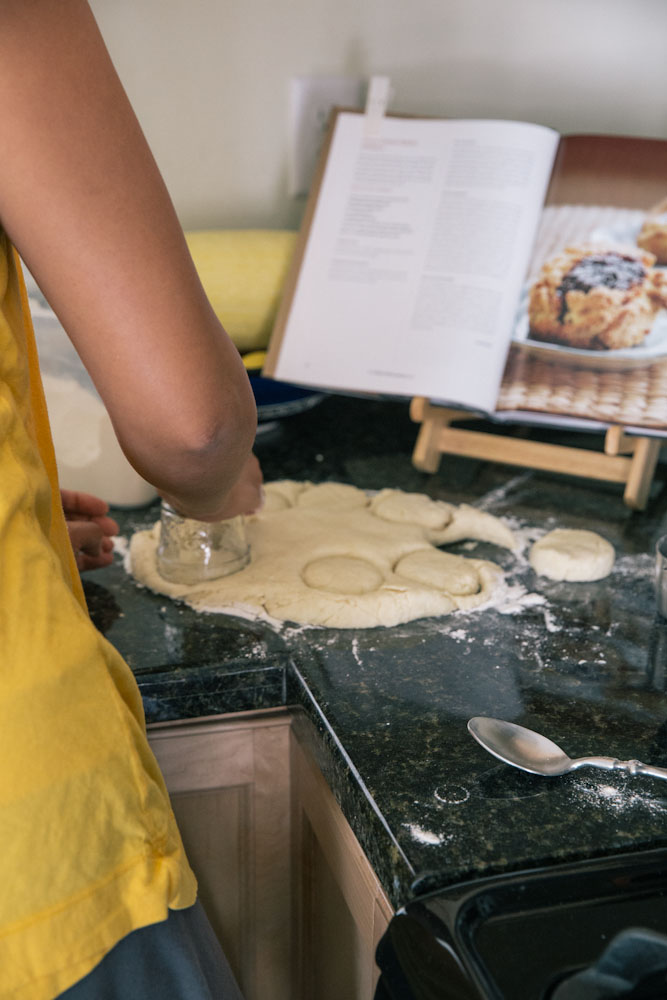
179,959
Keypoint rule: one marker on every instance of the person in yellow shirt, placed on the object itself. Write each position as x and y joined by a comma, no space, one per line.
97,899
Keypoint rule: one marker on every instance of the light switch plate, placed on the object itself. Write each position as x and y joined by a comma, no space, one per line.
311,100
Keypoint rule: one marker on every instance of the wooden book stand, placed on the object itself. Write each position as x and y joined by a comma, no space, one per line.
625,459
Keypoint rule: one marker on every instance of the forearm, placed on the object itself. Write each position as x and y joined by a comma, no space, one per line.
83,201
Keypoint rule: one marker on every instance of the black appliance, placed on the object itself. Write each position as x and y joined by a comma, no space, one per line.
587,930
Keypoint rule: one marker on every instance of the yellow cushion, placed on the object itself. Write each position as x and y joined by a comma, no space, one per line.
243,272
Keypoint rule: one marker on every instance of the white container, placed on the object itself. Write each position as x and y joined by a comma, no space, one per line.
88,455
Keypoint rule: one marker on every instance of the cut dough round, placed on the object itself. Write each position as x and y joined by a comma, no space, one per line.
412,508
274,500
331,494
342,575
575,555
438,569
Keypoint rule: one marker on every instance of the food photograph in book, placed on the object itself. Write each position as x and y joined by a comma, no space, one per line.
590,339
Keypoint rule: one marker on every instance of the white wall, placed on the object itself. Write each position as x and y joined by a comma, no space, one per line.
209,78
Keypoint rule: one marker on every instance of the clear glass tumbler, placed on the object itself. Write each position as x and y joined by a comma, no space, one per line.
191,551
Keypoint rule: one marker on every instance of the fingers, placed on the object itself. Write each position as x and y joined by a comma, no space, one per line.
84,507
92,547
107,524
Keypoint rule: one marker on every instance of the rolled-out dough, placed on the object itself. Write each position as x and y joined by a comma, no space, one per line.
572,554
331,555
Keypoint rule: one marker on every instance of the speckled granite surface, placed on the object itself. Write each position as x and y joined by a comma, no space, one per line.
385,710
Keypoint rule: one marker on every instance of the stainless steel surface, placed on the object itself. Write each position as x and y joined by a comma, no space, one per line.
532,752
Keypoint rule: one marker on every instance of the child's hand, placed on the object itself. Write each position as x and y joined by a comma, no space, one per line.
90,529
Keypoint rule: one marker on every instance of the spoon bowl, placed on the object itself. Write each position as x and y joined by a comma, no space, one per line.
536,754
519,746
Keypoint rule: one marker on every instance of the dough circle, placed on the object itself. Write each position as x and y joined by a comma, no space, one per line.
322,555
338,495
412,508
342,575
571,554
439,569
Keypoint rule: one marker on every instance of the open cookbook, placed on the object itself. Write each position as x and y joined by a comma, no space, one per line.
490,266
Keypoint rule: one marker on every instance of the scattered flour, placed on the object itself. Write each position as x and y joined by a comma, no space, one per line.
512,599
424,836
641,564
355,651
635,794
493,496
121,547
454,795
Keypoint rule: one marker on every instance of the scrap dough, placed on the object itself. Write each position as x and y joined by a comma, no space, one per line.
572,554
331,555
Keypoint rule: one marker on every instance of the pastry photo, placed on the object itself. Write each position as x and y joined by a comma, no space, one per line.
598,303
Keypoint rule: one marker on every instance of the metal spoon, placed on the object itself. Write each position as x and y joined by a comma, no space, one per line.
534,753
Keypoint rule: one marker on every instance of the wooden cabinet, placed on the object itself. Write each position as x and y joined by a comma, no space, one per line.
341,910
284,881
229,784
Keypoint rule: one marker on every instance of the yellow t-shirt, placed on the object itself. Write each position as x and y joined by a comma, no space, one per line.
89,848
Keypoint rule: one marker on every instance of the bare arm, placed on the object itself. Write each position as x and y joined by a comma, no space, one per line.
83,201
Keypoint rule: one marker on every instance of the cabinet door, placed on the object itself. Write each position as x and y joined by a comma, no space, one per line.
286,885
341,908
229,785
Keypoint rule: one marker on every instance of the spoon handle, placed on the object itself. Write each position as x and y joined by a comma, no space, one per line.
629,766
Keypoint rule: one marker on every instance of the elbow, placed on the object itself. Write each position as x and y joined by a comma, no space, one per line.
194,449
224,435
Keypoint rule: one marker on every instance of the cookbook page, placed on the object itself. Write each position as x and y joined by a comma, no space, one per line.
416,246
590,338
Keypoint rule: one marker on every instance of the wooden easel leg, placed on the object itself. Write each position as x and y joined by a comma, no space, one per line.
427,451
642,467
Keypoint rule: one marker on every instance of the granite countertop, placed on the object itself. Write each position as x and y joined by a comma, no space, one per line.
386,709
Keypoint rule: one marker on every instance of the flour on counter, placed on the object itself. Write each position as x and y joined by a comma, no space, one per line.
641,564
121,547
511,599
425,836
459,634
633,795
452,795
491,498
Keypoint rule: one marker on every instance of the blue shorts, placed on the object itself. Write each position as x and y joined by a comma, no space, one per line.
179,958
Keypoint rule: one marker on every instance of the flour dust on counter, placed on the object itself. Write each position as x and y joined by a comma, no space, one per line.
625,798
332,555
